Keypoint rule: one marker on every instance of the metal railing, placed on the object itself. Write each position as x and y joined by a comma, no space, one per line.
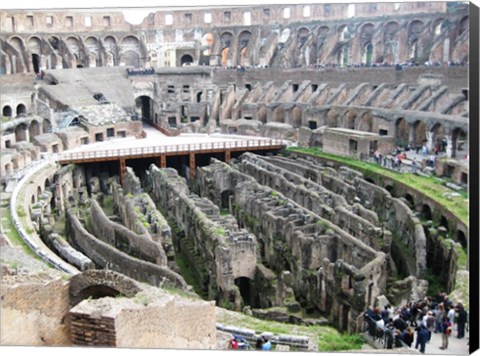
153,150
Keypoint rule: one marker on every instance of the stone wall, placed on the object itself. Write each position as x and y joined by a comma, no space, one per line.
32,314
296,240
220,251
125,240
106,256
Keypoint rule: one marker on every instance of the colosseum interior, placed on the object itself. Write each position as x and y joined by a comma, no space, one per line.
291,163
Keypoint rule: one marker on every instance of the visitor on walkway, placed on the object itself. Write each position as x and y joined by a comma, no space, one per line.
440,313
446,332
422,338
461,321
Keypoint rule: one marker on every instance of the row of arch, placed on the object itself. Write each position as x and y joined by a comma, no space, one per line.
27,131
226,48
406,130
18,111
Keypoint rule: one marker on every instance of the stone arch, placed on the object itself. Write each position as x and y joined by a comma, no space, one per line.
110,41
100,283
438,135
302,36
54,42
426,212
401,132
130,40
225,198
366,44
206,46
21,109
365,123
443,222
39,191
7,111
414,32
389,188
278,115
187,59
17,43
322,36
332,118
46,126
419,133
390,42
350,117
145,104
245,288
297,114
130,59
34,129
91,41
21,132
33,199
262,114
34,45
226,39
459,142
243,41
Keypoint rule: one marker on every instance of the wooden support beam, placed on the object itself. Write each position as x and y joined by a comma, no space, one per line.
163,161
192,165
123,170
227,156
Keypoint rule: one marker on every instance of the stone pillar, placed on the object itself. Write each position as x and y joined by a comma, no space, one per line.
446,50
411,134
429,140
192,165
449,148
123,170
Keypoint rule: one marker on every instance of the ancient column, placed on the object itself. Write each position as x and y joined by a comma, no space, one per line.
449,148
429,140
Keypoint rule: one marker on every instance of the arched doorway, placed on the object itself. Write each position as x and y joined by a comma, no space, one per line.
262,115
144,105
401,132
21,109
332,117
186,59
46,126
7,111
244,285
426,212
350,117
419,134
130,59
21,133
278,115
297,117
36,63
225,42
366,123
459,143
34,129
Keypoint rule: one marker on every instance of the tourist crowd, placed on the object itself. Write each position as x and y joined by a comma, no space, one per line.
424,317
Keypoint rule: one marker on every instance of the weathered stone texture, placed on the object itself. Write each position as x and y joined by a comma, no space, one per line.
27,306
106,256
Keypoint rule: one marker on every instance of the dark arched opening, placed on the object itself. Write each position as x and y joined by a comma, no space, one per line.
47,126
390,189
7,111
186,60
21,133
21,109
426,212
145,104
243,284
36,63
401,132
225,196
462,238
410,201
443,222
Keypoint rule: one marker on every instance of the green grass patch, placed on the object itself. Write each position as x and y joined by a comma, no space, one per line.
432,187
187,274
325,337
340,342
